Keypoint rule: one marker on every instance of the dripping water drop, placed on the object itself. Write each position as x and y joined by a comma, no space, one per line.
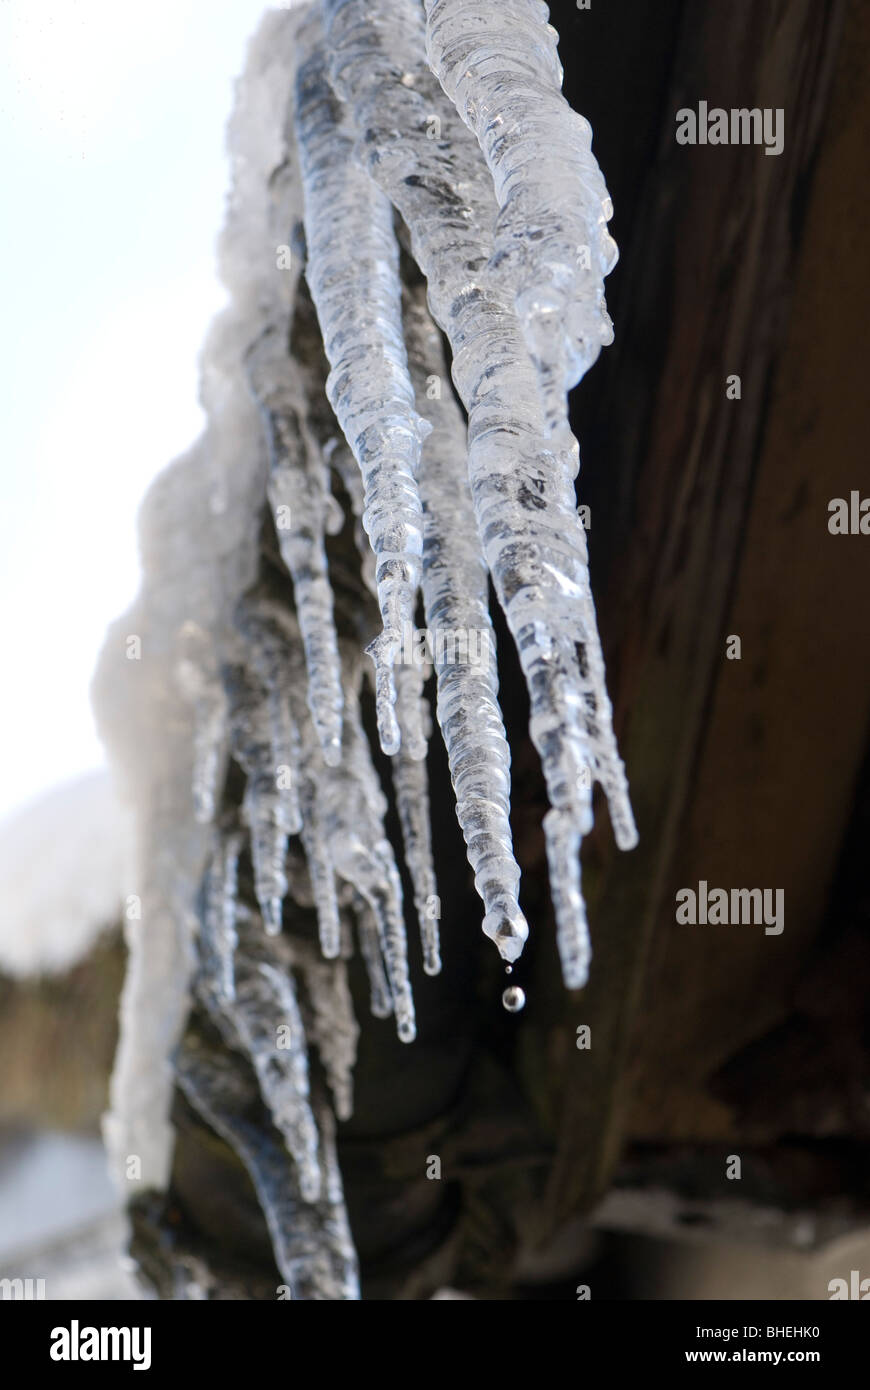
513,999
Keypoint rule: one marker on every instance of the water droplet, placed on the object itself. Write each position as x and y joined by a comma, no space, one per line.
508,970
513,999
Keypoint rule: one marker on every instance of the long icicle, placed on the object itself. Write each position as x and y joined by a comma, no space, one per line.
266,1001
430,165
354,808
411,785
262,1016
329,1021
312,1241
277,654
352,271
381,1000
298,493
343,807
456,599
221,908
499,65
253,748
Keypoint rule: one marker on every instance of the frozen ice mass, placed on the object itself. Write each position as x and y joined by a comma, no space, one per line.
414,250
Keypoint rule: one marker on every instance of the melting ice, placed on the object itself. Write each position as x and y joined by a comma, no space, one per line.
368,135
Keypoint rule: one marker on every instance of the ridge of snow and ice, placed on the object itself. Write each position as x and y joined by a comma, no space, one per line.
348,143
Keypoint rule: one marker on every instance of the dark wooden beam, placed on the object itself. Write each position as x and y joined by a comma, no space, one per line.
682,506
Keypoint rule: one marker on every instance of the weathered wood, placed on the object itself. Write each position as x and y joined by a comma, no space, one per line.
57,1036
713,258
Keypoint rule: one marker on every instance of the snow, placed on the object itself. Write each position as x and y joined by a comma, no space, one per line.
65,869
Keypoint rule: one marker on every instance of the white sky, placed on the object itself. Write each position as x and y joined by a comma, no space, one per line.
113,181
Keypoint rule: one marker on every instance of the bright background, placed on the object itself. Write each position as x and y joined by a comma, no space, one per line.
113,181
114,177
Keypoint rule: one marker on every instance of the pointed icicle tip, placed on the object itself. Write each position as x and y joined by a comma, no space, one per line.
331,749
272,913
382,652
509,930
406,1028
432,960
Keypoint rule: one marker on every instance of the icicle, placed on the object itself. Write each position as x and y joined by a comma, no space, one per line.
378,880
251,736
312,1242
563,858
457,611
221,908
286,759
353,275
332,1026
354,807
263,1015
499,64
297,493
431,167
381,1001
411,708
411,784
343,811
267,1018
321,871
276,651
342,460
306,348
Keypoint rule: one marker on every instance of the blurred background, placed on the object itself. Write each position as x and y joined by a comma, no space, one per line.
114,178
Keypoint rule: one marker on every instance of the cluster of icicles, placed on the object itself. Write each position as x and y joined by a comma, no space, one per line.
366,131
